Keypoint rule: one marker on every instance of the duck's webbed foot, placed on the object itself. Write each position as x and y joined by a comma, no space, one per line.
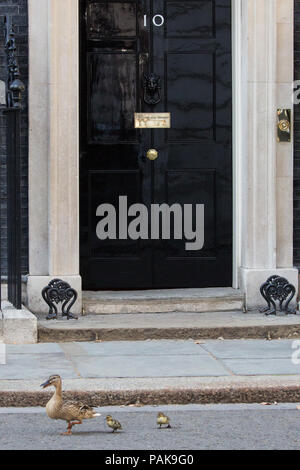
70,425
69,430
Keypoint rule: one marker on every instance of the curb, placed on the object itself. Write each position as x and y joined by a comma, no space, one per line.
60,335
235,394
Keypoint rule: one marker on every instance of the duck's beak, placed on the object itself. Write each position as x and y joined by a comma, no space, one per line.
46,384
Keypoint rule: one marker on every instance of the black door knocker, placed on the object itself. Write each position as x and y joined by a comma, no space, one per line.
152,89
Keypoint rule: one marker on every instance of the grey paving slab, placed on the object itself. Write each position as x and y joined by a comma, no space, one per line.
262,366
150,360
148,366
259,349
40,348
36,366
144,348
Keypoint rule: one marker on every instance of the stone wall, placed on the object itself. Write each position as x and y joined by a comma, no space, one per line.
19,11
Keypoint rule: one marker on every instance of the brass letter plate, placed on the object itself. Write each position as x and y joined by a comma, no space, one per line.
284,125
152,120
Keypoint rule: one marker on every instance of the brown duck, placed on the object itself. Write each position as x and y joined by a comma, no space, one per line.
73,412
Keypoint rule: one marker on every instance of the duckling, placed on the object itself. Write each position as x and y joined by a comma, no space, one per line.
163,419
73,412
113,423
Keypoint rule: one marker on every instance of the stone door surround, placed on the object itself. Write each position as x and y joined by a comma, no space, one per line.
263,169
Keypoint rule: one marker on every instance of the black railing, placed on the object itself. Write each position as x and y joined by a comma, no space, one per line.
12,111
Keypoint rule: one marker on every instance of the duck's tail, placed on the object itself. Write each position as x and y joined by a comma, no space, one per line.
95,415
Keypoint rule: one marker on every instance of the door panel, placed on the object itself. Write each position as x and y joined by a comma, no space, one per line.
112,98
195,67
190,19
111,163
111,19
193,112
191,53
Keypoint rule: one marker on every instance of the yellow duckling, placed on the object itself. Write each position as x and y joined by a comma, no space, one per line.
163,420
74,412
113,423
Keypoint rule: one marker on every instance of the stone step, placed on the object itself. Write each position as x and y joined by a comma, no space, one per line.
180,325
163,301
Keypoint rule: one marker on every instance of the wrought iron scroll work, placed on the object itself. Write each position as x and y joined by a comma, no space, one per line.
152,89
12,111
278,290
57,292
15,87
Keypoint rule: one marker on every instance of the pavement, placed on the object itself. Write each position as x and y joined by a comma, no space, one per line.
208,427
177,325
154,372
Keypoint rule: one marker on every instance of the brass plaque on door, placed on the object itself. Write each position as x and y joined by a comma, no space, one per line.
152,120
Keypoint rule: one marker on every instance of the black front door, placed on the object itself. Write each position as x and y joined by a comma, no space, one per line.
156,56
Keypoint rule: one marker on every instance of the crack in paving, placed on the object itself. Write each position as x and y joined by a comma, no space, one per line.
70,349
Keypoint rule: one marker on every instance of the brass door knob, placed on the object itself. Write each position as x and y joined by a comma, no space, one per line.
152,154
